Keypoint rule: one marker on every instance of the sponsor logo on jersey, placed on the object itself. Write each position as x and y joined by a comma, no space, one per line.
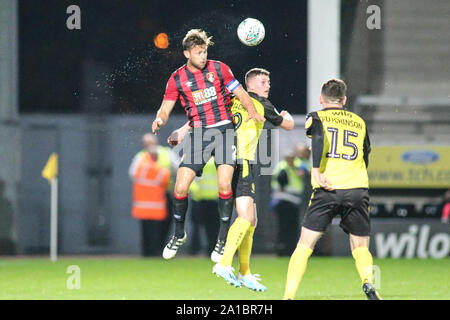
204,95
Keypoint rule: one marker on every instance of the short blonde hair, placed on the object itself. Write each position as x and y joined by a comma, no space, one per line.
196,37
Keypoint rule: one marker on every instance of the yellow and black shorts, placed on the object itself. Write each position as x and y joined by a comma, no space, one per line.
351,204
244,177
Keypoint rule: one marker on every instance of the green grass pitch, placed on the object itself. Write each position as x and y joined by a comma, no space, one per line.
187,278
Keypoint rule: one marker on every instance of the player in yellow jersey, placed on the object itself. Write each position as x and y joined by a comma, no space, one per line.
340,150
240,234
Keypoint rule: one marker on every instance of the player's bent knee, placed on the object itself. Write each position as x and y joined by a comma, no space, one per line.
185,176
248,217
358,241
224,186
224,176
181,190
309,238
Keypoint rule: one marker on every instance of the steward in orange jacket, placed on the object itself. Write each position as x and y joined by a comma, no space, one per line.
150,181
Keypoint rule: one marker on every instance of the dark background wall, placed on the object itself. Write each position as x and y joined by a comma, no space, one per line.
113,57
90,94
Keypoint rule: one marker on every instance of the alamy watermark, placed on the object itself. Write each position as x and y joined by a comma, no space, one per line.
200,144
74,280
374,20
376,277
73,22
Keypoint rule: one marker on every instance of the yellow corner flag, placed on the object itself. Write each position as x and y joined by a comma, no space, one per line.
51,168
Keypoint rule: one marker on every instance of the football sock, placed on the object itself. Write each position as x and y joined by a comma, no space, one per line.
225,207
364,263
235,236
296,269
179,214
245,250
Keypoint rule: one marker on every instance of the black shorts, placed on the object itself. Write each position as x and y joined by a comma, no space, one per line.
352,205
203,143
244,177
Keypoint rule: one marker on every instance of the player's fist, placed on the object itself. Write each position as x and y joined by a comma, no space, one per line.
157,124
176,137
286,115
172,140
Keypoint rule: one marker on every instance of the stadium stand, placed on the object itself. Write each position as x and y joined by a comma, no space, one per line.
404,210
398,77
431,210
379,210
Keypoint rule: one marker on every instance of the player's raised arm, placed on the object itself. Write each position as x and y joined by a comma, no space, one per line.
247,102
162,115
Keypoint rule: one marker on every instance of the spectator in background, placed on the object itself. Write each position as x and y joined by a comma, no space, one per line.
288,186
446,209
303,153
151,176
205,216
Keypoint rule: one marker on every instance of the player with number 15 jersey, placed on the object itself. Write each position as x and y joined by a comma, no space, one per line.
340,152
342,155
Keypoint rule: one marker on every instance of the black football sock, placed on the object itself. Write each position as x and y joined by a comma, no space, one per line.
179,214
225,212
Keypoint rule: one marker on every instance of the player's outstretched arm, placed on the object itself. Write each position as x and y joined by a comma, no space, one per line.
288,121
162,115
247,102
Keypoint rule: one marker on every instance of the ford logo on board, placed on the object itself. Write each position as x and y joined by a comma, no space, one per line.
420,156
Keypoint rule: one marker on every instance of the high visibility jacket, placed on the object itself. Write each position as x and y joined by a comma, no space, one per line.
205,187
164,160
292,192
150,182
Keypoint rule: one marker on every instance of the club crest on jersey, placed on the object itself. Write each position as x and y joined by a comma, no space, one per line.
210,76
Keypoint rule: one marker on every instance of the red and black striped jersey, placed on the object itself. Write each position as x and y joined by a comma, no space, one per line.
204,94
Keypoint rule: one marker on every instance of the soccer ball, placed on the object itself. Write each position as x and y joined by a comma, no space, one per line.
251,32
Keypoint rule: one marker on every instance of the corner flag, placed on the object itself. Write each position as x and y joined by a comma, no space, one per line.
50,172
51,168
